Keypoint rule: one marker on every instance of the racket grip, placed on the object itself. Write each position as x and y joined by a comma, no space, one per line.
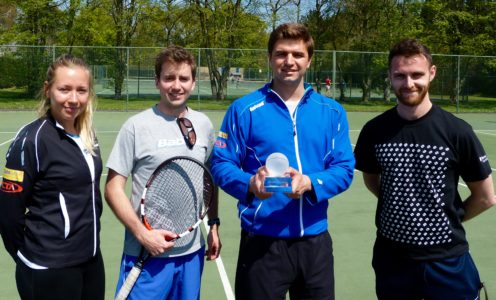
128,284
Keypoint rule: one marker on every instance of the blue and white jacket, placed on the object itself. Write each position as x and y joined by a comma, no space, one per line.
316,141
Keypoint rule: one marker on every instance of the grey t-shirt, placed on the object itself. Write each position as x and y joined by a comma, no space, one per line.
145,141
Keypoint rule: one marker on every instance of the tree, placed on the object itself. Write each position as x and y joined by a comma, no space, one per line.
459,27
91,25
369,26
224,24
163,23
319,23
38,24
8,15
125,14
297,4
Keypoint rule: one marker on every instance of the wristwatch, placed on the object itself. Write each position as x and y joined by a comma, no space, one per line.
213,221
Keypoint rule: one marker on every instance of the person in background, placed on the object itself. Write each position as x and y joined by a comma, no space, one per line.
285,243
412,157
317,84
328,85
143,143
50,201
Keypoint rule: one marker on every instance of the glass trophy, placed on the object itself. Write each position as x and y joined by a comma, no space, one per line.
277,164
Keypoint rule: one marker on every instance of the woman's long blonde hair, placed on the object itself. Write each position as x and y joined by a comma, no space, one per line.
83,122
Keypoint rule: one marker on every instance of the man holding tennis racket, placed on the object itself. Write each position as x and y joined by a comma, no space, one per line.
412,157
285,244
145,141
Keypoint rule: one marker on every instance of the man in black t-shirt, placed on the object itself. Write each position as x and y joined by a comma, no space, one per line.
412,157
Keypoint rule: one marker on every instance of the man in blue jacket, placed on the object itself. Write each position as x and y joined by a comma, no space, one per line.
285,245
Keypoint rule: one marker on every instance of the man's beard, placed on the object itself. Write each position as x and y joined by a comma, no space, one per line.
412,101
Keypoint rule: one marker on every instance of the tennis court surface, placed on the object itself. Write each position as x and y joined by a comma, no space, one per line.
351,216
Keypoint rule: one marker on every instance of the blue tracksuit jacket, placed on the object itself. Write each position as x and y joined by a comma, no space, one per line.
316,141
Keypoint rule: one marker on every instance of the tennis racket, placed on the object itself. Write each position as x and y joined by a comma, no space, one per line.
176,198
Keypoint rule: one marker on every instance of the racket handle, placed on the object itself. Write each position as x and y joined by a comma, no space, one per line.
128,284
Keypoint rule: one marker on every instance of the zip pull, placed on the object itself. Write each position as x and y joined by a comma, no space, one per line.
293,118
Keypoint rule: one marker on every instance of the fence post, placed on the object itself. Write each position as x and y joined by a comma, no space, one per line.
333,85
198,77
458,85
127,78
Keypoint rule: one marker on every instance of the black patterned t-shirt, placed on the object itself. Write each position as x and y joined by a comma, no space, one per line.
420,162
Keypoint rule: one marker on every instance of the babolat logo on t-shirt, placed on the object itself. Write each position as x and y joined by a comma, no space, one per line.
483,159
169,142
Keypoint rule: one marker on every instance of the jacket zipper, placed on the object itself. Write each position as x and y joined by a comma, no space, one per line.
300,169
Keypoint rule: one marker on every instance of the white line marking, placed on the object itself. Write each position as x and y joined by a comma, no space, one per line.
222,271
6,142
225,280
485,132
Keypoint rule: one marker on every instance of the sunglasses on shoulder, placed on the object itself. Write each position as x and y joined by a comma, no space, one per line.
187,131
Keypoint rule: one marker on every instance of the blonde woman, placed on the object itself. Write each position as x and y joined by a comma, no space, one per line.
50,201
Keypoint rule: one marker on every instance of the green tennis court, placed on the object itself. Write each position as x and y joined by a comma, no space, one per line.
351,216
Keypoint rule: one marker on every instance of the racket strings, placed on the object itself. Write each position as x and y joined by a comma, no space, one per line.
174,200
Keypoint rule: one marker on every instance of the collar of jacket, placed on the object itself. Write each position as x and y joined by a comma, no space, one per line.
308,91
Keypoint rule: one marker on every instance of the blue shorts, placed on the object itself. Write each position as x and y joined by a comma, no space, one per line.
165,278
453,278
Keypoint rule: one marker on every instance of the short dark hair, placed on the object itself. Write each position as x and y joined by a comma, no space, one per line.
291,31
409,47
176,55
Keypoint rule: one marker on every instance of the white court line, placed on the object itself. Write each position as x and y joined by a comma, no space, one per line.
485,132
222,271
6,142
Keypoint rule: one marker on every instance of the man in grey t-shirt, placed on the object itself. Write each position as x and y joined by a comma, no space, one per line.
144,141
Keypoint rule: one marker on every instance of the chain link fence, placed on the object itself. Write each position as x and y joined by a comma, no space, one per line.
127,73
